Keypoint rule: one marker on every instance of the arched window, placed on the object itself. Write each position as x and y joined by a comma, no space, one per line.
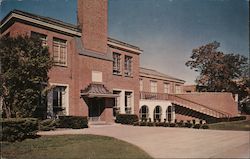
168,113
144,112
157,113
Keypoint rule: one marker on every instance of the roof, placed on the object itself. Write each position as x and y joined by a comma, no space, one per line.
56,25
97,90
222,101
151,72
40,21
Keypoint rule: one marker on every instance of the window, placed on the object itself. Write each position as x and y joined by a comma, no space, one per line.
59,97
128,102
141,84
144,112
128,66
177,89
166,88
116,109
116,63
153,86
43,37
60,51
157,113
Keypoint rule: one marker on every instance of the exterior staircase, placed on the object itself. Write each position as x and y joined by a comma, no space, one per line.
198,108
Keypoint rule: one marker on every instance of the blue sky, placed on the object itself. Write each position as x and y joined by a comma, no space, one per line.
167,30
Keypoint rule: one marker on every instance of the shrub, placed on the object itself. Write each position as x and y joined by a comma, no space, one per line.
188,124
74,122
167,124
172,125
136,123
237,118
126,118
143,124
197,126
48,124
159,124
14,129
151,124
225,119
180,124
204,126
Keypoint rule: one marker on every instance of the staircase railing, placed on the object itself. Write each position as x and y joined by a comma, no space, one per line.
184,102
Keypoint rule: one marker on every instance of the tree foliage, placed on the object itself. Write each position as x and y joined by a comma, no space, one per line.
24,74
219,71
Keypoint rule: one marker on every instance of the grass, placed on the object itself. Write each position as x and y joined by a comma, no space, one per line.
71,147
234,125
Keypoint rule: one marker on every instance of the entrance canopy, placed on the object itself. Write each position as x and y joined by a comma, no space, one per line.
97,90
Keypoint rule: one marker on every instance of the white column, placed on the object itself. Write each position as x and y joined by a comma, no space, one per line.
151,112
122,102
172,113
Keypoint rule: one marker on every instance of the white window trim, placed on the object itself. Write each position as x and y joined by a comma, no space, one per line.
122,101
59,48
66,95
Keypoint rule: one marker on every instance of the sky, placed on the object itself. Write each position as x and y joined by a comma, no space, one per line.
166,30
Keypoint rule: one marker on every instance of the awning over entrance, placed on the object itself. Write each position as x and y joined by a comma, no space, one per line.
97,90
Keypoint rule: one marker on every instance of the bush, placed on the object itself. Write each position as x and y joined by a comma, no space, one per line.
48,124
172,125
74,122
151,124
180,124
167,124
204,126
143,124
159,124
197,126
136,123
126,118
188,124
218,120
237,118
18,129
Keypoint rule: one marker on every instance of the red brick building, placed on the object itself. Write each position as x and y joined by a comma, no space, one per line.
97,76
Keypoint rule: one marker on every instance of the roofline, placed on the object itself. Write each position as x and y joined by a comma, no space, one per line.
41,21
122,45
161,77
62,27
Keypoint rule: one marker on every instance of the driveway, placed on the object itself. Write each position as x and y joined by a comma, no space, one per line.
161,142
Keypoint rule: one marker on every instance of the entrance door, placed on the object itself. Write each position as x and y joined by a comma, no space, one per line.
96,107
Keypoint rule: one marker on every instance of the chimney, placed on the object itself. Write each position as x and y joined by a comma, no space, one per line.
92,20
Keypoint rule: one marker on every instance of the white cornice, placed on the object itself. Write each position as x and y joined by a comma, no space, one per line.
38,22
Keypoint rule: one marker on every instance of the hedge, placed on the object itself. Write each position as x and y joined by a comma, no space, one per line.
126,118
217,120
18,129
48,124
74,122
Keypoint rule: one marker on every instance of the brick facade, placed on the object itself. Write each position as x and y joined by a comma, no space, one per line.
94,53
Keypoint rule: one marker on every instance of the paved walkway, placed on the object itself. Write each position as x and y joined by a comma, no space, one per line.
162,142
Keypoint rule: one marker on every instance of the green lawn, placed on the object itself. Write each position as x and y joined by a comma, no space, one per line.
235,125
71,147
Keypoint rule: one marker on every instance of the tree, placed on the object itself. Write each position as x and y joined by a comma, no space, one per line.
24,74
218,71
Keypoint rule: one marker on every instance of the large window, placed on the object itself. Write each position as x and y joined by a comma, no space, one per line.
59,97
60,51
141,84
153,86
116,63
128,102
128,66
144,112
157,113
117,101
178,89
166,88
43,37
